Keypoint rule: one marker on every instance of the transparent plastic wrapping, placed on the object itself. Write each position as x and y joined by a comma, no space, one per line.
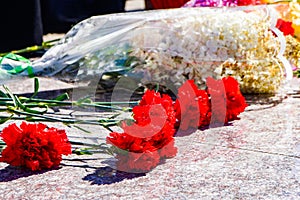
170,46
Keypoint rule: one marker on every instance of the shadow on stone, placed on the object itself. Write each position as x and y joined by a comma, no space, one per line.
183,133
11,173
189,131
264,99
108,175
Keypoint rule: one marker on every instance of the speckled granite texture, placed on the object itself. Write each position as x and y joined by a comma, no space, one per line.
257,157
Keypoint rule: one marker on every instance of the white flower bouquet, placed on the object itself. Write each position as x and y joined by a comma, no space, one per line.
170,46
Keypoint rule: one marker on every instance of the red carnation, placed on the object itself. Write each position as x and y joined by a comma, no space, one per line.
226,99
236,103
205,108
153,130
130,143
217,93
154,105
150,119
168,150
150,98
34,146
192,106
137,162
285,27
126,141
164,136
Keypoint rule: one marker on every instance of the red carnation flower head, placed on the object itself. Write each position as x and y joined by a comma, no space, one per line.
192,106
217,93
150,120
150,98
235,101
139,145
154,125
34,146
137,162
285,27
125,141
227,101
168,150
141,155
205,108
154,109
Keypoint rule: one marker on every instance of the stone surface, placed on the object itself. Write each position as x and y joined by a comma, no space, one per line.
27,85
256,157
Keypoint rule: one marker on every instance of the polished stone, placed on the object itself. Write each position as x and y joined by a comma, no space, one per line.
256,157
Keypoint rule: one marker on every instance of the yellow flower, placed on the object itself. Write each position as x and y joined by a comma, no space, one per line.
295,17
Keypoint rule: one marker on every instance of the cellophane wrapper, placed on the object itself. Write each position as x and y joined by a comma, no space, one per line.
173,45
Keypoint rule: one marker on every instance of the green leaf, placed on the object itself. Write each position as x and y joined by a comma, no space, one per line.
2,94
82,129
82,151
62,97
10,94
26,109
1,148
83,100
5,119
107,128
36,88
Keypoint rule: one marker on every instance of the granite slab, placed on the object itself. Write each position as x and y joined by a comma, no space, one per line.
256,157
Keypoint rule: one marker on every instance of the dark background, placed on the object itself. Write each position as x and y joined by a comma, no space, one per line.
23,23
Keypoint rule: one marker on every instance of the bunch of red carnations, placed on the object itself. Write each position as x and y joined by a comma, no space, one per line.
147,141
150,139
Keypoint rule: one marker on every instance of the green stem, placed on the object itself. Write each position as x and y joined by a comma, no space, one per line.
86,148
83,144
19,108
39,117
44,46
91,148
104,121
55,103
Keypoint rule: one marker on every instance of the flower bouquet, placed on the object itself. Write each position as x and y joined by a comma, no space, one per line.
288,22
171,46
148,136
